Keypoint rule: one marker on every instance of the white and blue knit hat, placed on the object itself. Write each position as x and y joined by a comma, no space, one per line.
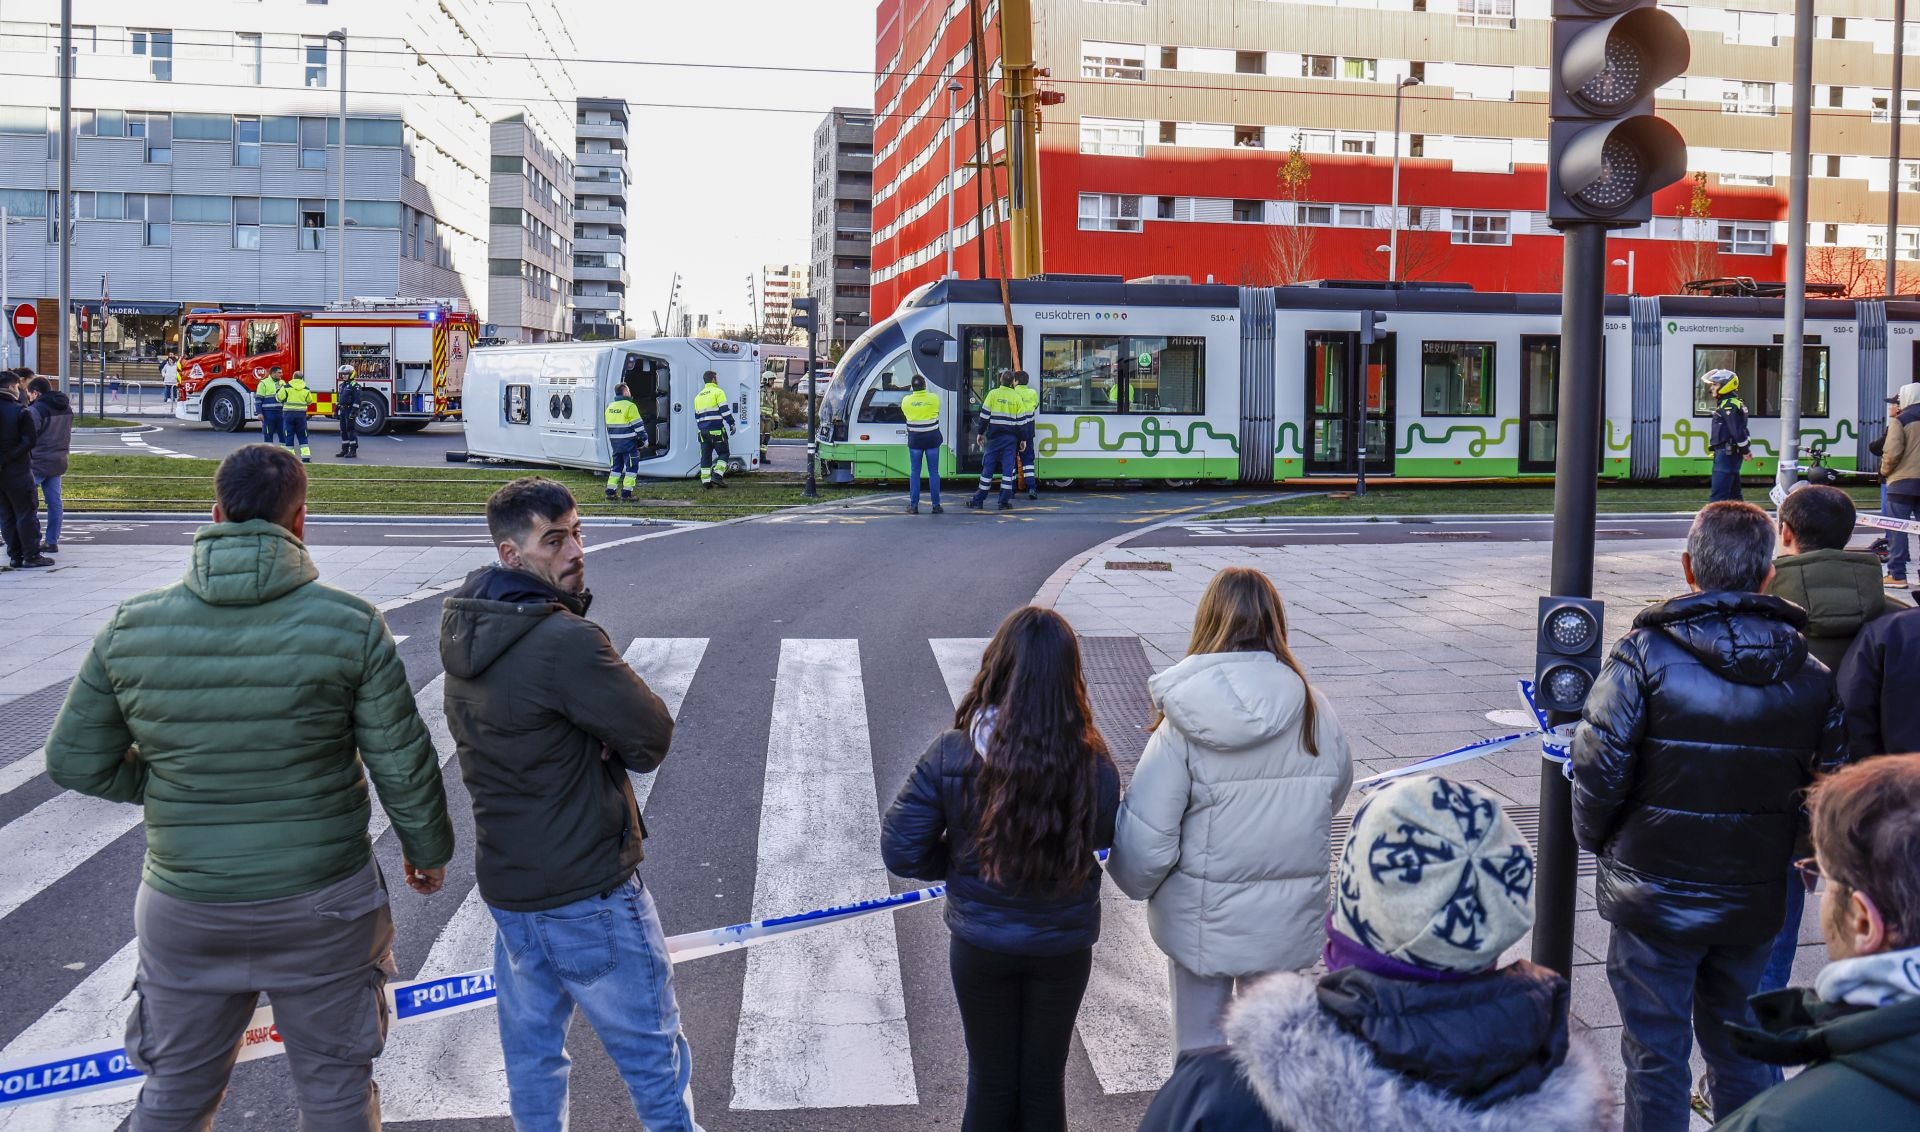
1434,874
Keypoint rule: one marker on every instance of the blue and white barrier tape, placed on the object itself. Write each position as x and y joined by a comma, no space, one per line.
1553,746
83,1069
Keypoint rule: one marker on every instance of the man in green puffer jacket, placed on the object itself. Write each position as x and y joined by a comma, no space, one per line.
1840,589
239,707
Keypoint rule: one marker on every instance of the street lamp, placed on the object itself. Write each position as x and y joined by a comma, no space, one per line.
340,37
953,170
1393,229
840,329
1628,264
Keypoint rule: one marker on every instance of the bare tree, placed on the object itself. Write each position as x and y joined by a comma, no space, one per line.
1422,255
1696,255
1290,252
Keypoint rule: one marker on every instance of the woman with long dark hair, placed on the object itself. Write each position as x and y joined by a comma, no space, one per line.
1008,809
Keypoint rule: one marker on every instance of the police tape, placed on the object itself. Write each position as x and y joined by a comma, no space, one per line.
1888,523
1553,746
58,1074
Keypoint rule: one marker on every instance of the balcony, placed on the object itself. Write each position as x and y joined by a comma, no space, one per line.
600,275
614,244
615,160
614,190
596,302
849,163
862,248
608,131
611,217
853,276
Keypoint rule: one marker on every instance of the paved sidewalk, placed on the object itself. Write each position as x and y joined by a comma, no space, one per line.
1413,645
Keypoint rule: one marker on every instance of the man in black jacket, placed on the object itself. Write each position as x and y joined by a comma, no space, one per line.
1882,669
548,719
1707,722
19,512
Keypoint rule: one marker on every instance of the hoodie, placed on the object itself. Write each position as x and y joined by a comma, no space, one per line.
1361,1051
1707,722
1223,830
547,719
53,423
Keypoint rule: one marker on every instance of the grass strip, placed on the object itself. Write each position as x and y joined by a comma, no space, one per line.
1449,499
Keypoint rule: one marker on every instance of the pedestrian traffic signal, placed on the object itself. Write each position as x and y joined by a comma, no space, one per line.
803,310
1370,324
1567,653
1607,154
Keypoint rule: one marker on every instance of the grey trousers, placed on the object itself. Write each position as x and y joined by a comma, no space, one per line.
1200,1006
321,957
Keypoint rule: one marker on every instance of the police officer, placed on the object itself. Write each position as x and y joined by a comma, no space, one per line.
922,410
1000,421
713,420
266,402
346,398
295,400
628,434
1029,413
1727,433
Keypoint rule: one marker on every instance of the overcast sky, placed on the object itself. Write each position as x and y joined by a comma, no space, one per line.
718,193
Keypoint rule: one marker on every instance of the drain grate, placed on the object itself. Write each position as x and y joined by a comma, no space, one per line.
1453,536
1167,566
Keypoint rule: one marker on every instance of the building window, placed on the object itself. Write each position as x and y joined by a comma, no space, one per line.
1164,208
1357,143
1910,176
1169,133
1748,98
313,50
1483,155
1745,239
1833,165
246,223
1456,379
246,141
1830,233
1249,62
1111,374
1249,211
1746,167
1336,215
1109,212
1113,61
313,225
1114,137
247,51
1316,66
155,212
1491,84
1760,369
1755,29
157,129
1481,227
1483,13
1359,70
1169,58
157,45
1250,137
313,143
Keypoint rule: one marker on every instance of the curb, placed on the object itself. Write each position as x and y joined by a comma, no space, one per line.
117,430
1056,583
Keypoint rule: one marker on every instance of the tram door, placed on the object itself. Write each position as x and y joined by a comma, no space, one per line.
1349,399
984,354
1539,401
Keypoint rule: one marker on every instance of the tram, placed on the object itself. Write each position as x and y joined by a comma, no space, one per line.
1178,382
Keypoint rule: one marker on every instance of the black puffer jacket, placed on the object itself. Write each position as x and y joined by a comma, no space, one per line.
1707,722
1360,1052
1880,671
17,435
929,835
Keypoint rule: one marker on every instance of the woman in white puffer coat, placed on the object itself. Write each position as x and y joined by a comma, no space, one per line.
1224,828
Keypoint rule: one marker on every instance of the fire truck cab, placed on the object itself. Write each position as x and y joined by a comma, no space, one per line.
409,355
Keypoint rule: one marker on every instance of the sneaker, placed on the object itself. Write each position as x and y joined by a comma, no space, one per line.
36,561
1005,505
913,509
939,510
708,484
718,482
610,494
626,497
50,548
976,504
1033,495
1895,583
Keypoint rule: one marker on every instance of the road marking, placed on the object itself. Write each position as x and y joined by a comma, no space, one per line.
823,1018
95,1008
55,838
22,770
668,665
959,659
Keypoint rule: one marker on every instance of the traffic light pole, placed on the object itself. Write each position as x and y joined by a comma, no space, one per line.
813,407
1575,501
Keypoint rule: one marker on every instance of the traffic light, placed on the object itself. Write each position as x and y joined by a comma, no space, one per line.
1370,324
1607,154
802,316
1567,652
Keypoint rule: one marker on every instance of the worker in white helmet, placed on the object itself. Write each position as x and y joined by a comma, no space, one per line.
346,399
1727,436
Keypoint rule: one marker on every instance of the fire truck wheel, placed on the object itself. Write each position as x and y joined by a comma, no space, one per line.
370,414
225,412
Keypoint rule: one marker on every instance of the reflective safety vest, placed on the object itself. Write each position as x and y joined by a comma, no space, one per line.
712,412
268,392
295,397
922,410
1001,414
624,423
1029,404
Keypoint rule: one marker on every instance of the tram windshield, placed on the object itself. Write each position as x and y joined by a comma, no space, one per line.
853,369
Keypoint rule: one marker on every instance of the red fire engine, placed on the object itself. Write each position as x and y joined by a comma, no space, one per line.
409,357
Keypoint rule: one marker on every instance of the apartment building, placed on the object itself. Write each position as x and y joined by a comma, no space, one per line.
843,222
780,284
600,178
206,156
1252,141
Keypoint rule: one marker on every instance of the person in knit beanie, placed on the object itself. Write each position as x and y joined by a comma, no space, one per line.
1415,1027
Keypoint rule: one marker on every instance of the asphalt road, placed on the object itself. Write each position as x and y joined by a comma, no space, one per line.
899,587
427,448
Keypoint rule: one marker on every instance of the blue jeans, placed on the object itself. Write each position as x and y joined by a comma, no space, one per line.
1726,475
997,461
1786,945
56,508
931,458
1670,995
1899,507
607,955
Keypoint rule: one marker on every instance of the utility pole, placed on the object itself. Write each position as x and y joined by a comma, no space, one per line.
1794,364
953,169
1393,224
6,302
806,316
1893,146
341,37
64,204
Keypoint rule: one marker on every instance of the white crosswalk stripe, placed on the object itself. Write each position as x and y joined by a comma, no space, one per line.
22,770
823,1018
55,838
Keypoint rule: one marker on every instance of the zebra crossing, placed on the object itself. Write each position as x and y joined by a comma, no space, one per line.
823,1020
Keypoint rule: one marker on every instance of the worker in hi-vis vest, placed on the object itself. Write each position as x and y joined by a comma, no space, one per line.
921,407
1029,412
266,397
713,420
627,433
295,401
1000,422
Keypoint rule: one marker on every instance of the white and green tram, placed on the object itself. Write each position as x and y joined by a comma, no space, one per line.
1181,382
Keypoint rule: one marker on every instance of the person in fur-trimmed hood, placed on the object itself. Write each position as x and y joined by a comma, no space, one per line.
1414,1028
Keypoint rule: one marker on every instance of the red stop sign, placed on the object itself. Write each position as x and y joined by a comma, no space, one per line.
25,319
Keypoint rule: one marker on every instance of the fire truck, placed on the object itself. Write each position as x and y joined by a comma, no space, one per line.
409,355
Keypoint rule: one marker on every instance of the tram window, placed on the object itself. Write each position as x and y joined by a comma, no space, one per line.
1079,374
1110,374
1165,375
519,404
1760,369
881,402
1456,379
